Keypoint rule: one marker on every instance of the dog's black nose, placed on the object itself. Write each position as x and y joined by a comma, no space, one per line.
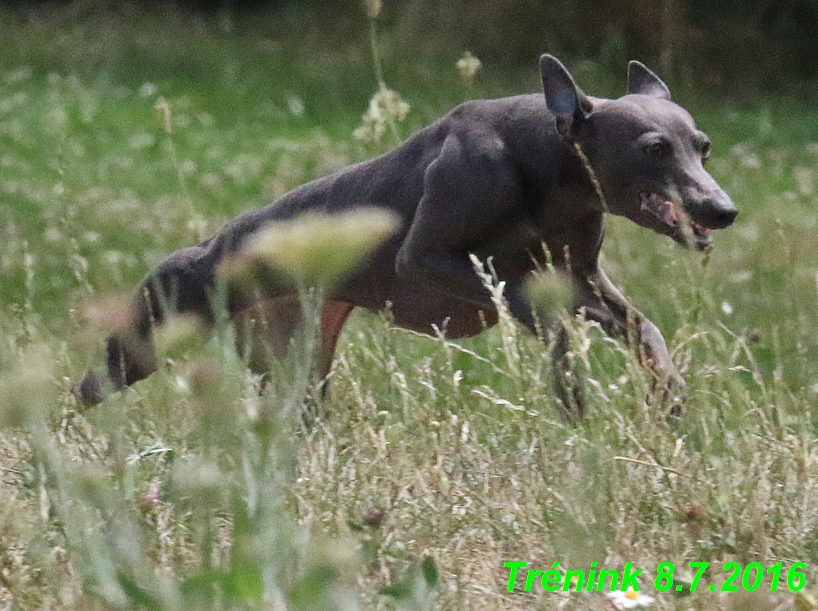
725,215
714,214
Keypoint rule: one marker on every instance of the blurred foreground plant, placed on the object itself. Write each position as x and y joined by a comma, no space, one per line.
313,249
386,108
243,466
243,470
468,66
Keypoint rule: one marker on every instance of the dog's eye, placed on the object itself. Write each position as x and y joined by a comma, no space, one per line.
658,150
705,151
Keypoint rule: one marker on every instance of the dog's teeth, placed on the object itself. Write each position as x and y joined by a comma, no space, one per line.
644,201
669,214
699,229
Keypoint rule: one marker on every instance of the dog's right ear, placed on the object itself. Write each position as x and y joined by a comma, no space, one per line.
564,99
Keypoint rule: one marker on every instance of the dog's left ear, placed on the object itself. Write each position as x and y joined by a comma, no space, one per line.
644,82
562,96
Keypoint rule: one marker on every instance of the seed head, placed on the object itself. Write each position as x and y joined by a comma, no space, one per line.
550,293
468,66
385,105
314,248
373,8
163,108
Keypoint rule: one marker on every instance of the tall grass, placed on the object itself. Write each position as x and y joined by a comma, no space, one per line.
434,462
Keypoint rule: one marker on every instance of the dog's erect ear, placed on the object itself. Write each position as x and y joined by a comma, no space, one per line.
644,82
562,96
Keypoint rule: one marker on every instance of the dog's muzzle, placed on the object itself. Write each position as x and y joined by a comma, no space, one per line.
679,223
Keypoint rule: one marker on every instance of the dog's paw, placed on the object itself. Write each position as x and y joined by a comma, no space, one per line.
88,391
669,390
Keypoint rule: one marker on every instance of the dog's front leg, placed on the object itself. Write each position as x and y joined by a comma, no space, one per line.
604,303
568,381
469,205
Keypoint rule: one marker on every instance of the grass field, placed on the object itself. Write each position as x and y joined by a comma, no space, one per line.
191,491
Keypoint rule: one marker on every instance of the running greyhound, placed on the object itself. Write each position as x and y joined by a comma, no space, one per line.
518,180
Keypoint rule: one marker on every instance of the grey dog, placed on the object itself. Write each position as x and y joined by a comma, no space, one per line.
510,179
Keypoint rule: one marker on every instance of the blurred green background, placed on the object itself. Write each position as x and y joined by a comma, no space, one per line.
730,45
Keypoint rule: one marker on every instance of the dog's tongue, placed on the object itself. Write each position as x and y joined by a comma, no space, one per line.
662,209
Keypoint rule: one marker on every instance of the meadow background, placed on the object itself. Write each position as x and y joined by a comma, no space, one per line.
127,131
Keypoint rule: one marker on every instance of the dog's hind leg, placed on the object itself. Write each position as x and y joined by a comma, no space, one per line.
182,284
266,330
333,316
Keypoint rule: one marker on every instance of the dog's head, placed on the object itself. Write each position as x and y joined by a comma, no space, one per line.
645,151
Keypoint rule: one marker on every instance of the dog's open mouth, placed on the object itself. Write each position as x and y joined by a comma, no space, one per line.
681,227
